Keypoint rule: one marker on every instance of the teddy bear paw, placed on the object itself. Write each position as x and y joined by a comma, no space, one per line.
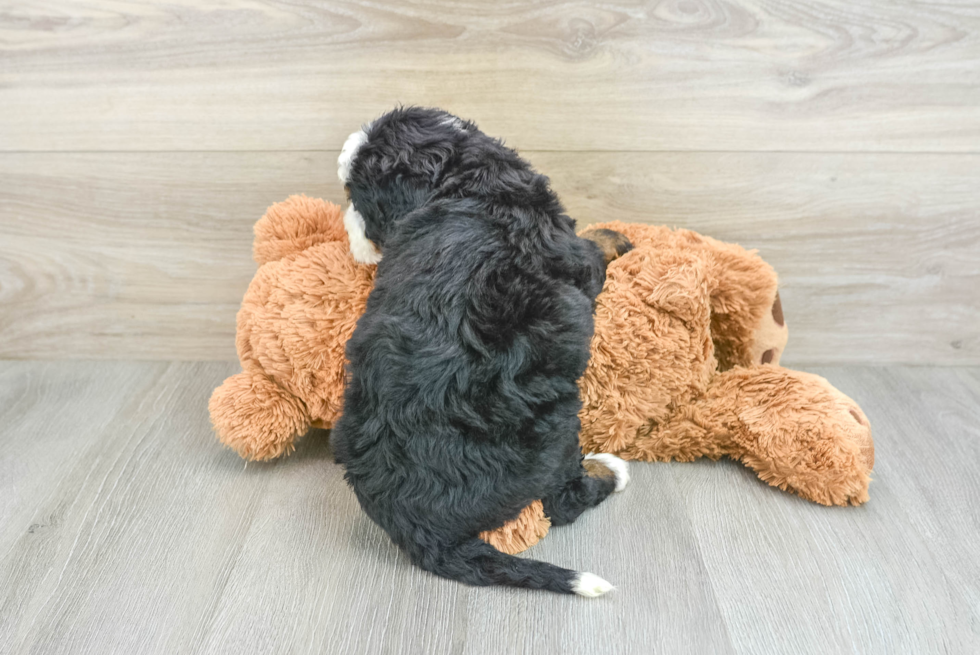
800,433
256,417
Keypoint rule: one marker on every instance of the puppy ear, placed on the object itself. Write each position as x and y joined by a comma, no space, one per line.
613,244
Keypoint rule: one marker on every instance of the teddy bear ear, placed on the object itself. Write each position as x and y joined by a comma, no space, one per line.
294,225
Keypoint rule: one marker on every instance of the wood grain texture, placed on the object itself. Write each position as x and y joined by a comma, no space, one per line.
892,576
147,255
828,75
127,528
139,142
146,536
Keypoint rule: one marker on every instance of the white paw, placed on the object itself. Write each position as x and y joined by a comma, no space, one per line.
590,585
348,153
618,466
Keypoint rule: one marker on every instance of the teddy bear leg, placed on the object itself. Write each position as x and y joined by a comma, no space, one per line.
651,352
796,430
256,417
516,536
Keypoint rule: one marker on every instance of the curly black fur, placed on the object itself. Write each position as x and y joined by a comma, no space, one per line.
462,405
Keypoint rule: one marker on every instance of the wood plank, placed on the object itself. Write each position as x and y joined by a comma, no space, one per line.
127,528
44,438
937,440
818,75
898,574
165,543
351,591
147,255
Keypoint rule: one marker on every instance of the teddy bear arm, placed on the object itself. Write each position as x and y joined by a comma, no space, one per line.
651,353
688,434
796,431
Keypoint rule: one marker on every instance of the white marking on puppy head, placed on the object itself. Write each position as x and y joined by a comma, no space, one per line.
618,466
347,154
590,585
361,247
453,122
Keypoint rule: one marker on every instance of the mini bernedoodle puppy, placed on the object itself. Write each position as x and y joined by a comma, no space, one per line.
461,405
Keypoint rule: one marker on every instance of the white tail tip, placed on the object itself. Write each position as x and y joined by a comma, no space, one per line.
590,585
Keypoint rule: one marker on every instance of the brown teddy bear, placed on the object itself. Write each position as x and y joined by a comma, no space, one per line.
688,336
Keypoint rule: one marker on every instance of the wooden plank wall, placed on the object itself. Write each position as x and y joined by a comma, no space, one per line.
140,141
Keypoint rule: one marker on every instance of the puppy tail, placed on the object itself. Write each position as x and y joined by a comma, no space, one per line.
478,563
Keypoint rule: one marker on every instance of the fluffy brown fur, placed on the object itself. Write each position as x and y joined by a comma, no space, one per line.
296,317
684,325
688,336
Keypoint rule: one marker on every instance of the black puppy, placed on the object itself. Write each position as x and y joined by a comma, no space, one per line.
461,404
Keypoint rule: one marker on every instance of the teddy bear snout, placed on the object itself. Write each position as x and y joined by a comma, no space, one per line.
777,311
868,444
868,451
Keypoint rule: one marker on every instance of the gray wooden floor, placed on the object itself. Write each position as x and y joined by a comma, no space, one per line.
125,528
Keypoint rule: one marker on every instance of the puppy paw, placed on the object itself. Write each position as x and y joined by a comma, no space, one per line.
618,467
613,244
590,585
